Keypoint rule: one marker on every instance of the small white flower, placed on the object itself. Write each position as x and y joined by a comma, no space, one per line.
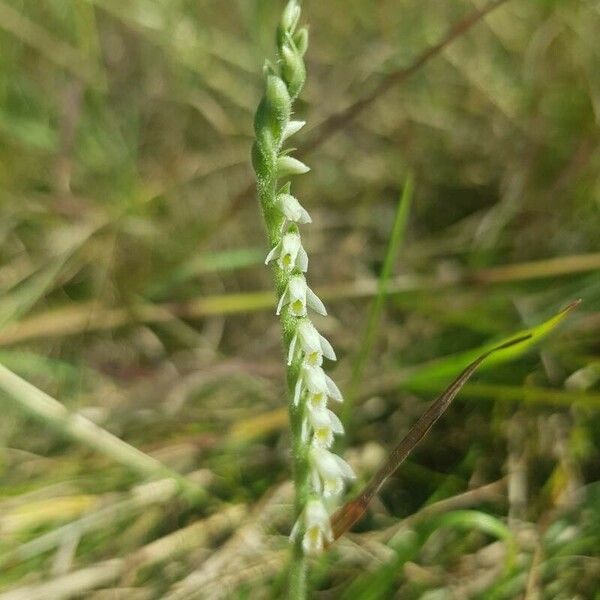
292,210
298,295
312,343
292,127
328,471
315,523
319,386
324,424
289,253
288,165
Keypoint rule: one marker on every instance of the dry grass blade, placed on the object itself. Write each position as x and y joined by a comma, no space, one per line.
241,550
92,316
52,413
68,585
141,497
184,540
352,511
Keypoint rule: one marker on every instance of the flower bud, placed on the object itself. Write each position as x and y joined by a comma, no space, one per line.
290,16
292,210
301,40
292,69
269,69
278,99
292,127
288,165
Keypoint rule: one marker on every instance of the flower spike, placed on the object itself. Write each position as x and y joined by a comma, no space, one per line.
312,422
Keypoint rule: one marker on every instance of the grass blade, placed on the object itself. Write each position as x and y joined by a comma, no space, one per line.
396,238
352,511
50,412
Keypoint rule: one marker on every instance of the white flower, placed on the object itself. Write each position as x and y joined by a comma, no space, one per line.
319,386
292,210
292,127
298,295
288,165
312,343
289,253
324,424
315,523
328,471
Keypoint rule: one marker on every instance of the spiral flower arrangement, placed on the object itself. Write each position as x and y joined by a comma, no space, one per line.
319,474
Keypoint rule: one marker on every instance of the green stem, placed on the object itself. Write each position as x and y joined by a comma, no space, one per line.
298,567
297,575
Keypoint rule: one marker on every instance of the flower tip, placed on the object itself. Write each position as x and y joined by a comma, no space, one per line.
288,165
291,128
290,16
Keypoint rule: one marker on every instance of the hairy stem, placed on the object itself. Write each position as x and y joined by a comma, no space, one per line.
297,575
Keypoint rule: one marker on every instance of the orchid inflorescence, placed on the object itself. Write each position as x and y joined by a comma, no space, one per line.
322,471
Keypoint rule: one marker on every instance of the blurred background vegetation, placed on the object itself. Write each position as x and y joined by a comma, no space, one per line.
132,290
